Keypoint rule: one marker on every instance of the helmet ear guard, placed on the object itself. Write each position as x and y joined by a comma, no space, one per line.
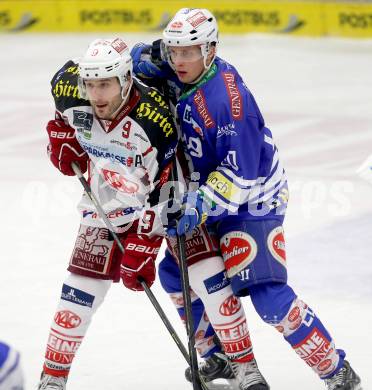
106,58
126,85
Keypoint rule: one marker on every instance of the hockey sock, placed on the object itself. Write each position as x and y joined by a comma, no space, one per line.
209,280
80,298
278,305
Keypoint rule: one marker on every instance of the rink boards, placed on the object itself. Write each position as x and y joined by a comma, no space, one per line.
305,18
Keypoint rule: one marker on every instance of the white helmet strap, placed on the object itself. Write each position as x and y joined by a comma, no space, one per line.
125,94
205,49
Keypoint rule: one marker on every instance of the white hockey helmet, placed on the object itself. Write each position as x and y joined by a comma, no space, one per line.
192,26
106,58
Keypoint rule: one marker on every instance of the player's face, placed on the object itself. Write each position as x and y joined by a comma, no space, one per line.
104,96
187,61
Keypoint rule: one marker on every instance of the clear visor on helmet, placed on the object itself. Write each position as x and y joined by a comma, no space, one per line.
105,88
177,54
101,89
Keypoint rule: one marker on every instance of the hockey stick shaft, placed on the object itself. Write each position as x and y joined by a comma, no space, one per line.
148,291
197,382
97,205
166,322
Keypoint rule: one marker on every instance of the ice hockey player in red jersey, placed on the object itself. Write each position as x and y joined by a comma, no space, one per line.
122,134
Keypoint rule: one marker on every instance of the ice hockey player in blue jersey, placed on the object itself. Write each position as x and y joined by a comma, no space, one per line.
242,187
11,377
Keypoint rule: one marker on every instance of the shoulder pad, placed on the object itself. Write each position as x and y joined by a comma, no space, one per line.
153,114
65,90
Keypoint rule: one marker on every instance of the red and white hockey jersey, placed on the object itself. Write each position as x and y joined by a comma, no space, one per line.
130,157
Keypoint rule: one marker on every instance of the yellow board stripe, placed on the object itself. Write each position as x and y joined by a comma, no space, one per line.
308,18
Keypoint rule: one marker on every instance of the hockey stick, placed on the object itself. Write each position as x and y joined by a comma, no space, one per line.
97,205
197,382
165,320
148,291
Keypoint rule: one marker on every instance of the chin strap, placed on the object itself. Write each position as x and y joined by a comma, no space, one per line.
205,52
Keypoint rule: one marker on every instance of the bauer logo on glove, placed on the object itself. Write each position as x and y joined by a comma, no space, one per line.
138,261
64,149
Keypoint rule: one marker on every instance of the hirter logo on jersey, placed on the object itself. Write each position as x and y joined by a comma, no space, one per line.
197,19
201,106
119,45
238,249
119,182
234,94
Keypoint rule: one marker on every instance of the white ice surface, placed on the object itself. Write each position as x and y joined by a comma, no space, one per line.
316,96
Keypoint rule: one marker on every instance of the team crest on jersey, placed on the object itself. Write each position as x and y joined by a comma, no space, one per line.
84,122
83,119
119,182
239,249
276,245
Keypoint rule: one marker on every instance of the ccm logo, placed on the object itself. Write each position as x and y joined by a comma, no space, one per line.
142,249
56,134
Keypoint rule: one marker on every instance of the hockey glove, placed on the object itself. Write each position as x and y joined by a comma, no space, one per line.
138,260
195,213
147,60
64,149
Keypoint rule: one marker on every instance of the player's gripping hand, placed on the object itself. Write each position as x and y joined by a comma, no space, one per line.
138,260
195,212
63,148
147,60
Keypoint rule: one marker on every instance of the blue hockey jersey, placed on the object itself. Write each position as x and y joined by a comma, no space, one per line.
231,151
230,147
